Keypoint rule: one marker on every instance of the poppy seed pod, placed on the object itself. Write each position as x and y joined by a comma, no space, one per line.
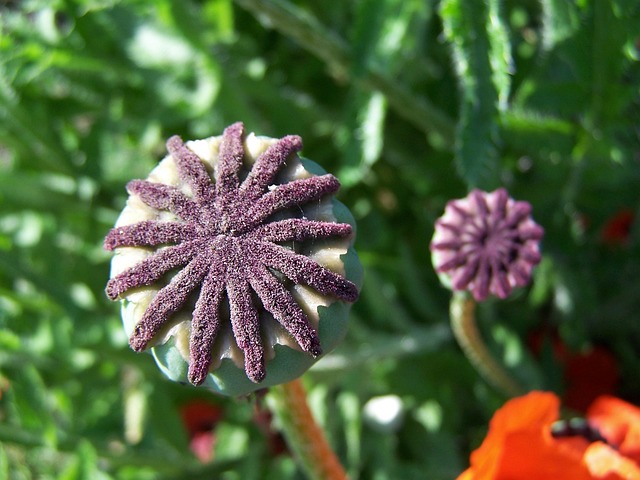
486,243
234,263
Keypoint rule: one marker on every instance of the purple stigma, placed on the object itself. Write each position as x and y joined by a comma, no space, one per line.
486,243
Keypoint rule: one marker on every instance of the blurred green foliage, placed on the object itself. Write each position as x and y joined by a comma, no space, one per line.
410,103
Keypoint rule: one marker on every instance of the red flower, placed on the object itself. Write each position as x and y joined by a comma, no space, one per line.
520,444
617,229
200,418
587,375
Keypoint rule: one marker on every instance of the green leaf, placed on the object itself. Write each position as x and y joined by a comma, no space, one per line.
535,134
220,14
18,128
4,463
559,21
351,424
365,134
32,403
84,465
384,34
482,58
33,190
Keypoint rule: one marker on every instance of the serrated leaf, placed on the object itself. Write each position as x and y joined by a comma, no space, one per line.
482,59
499,53
536,134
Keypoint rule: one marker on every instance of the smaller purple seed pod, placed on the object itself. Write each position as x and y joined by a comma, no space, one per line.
234,263
486,243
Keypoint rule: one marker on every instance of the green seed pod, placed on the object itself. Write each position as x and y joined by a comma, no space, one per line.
234,263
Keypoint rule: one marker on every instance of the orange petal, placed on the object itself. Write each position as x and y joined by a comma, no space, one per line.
533,410
532,414
607,464
530,455
466,475
618,422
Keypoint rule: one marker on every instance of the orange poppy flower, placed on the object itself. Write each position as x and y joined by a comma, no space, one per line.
618,422
520,446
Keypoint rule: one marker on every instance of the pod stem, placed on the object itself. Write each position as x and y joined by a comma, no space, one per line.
465,329
304,436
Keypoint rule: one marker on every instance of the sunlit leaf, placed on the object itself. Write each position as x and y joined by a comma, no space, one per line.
560,21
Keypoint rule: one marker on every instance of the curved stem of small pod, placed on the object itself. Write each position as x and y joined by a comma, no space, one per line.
465,329
304,437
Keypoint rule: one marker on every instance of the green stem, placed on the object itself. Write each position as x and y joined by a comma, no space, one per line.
314,37
304,437
465,329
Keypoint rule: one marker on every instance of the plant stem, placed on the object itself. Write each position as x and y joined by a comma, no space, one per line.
305,30
304,437
465,329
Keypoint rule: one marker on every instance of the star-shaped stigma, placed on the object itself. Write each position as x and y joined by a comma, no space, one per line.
230,246
486,243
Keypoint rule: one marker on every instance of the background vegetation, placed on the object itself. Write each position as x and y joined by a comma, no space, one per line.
410,103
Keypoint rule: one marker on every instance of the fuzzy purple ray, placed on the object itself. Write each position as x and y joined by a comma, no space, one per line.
268,164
